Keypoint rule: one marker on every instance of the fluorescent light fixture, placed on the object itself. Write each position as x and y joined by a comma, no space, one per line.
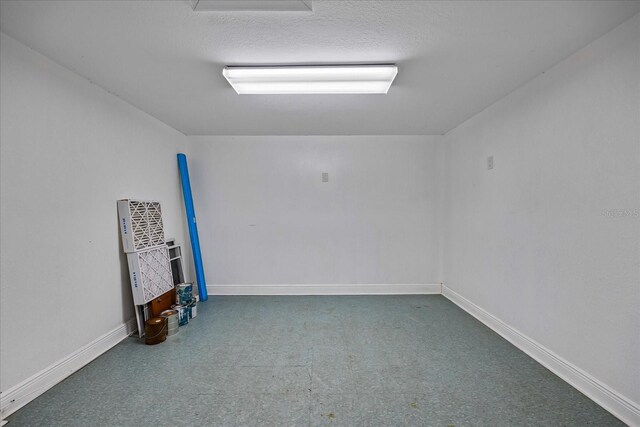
251,5
315,79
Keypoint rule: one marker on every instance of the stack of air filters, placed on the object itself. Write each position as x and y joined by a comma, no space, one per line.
147,253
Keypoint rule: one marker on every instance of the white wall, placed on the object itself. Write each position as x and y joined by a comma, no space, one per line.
548,241
68,152
538,241
270,220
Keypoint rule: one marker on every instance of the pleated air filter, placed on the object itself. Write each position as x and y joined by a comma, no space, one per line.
150,273
140,224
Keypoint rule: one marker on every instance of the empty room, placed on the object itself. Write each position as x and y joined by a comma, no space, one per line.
319,213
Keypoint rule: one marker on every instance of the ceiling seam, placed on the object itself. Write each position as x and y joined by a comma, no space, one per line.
94,83
538,75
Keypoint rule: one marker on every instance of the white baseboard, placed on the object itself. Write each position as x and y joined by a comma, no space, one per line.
617,404
21,394
347,289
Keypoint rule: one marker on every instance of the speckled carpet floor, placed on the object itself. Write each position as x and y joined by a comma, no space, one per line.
411,360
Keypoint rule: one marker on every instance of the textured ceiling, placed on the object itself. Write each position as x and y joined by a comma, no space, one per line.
454,58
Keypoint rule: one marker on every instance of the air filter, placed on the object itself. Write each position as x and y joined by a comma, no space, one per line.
140,225
150,273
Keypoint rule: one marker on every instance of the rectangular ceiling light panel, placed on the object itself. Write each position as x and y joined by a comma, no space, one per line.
341,79
251,5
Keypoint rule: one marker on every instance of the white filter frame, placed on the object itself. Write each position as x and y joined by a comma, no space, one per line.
150,274
141,224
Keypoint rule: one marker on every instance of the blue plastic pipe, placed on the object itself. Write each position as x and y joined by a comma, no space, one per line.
193,227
